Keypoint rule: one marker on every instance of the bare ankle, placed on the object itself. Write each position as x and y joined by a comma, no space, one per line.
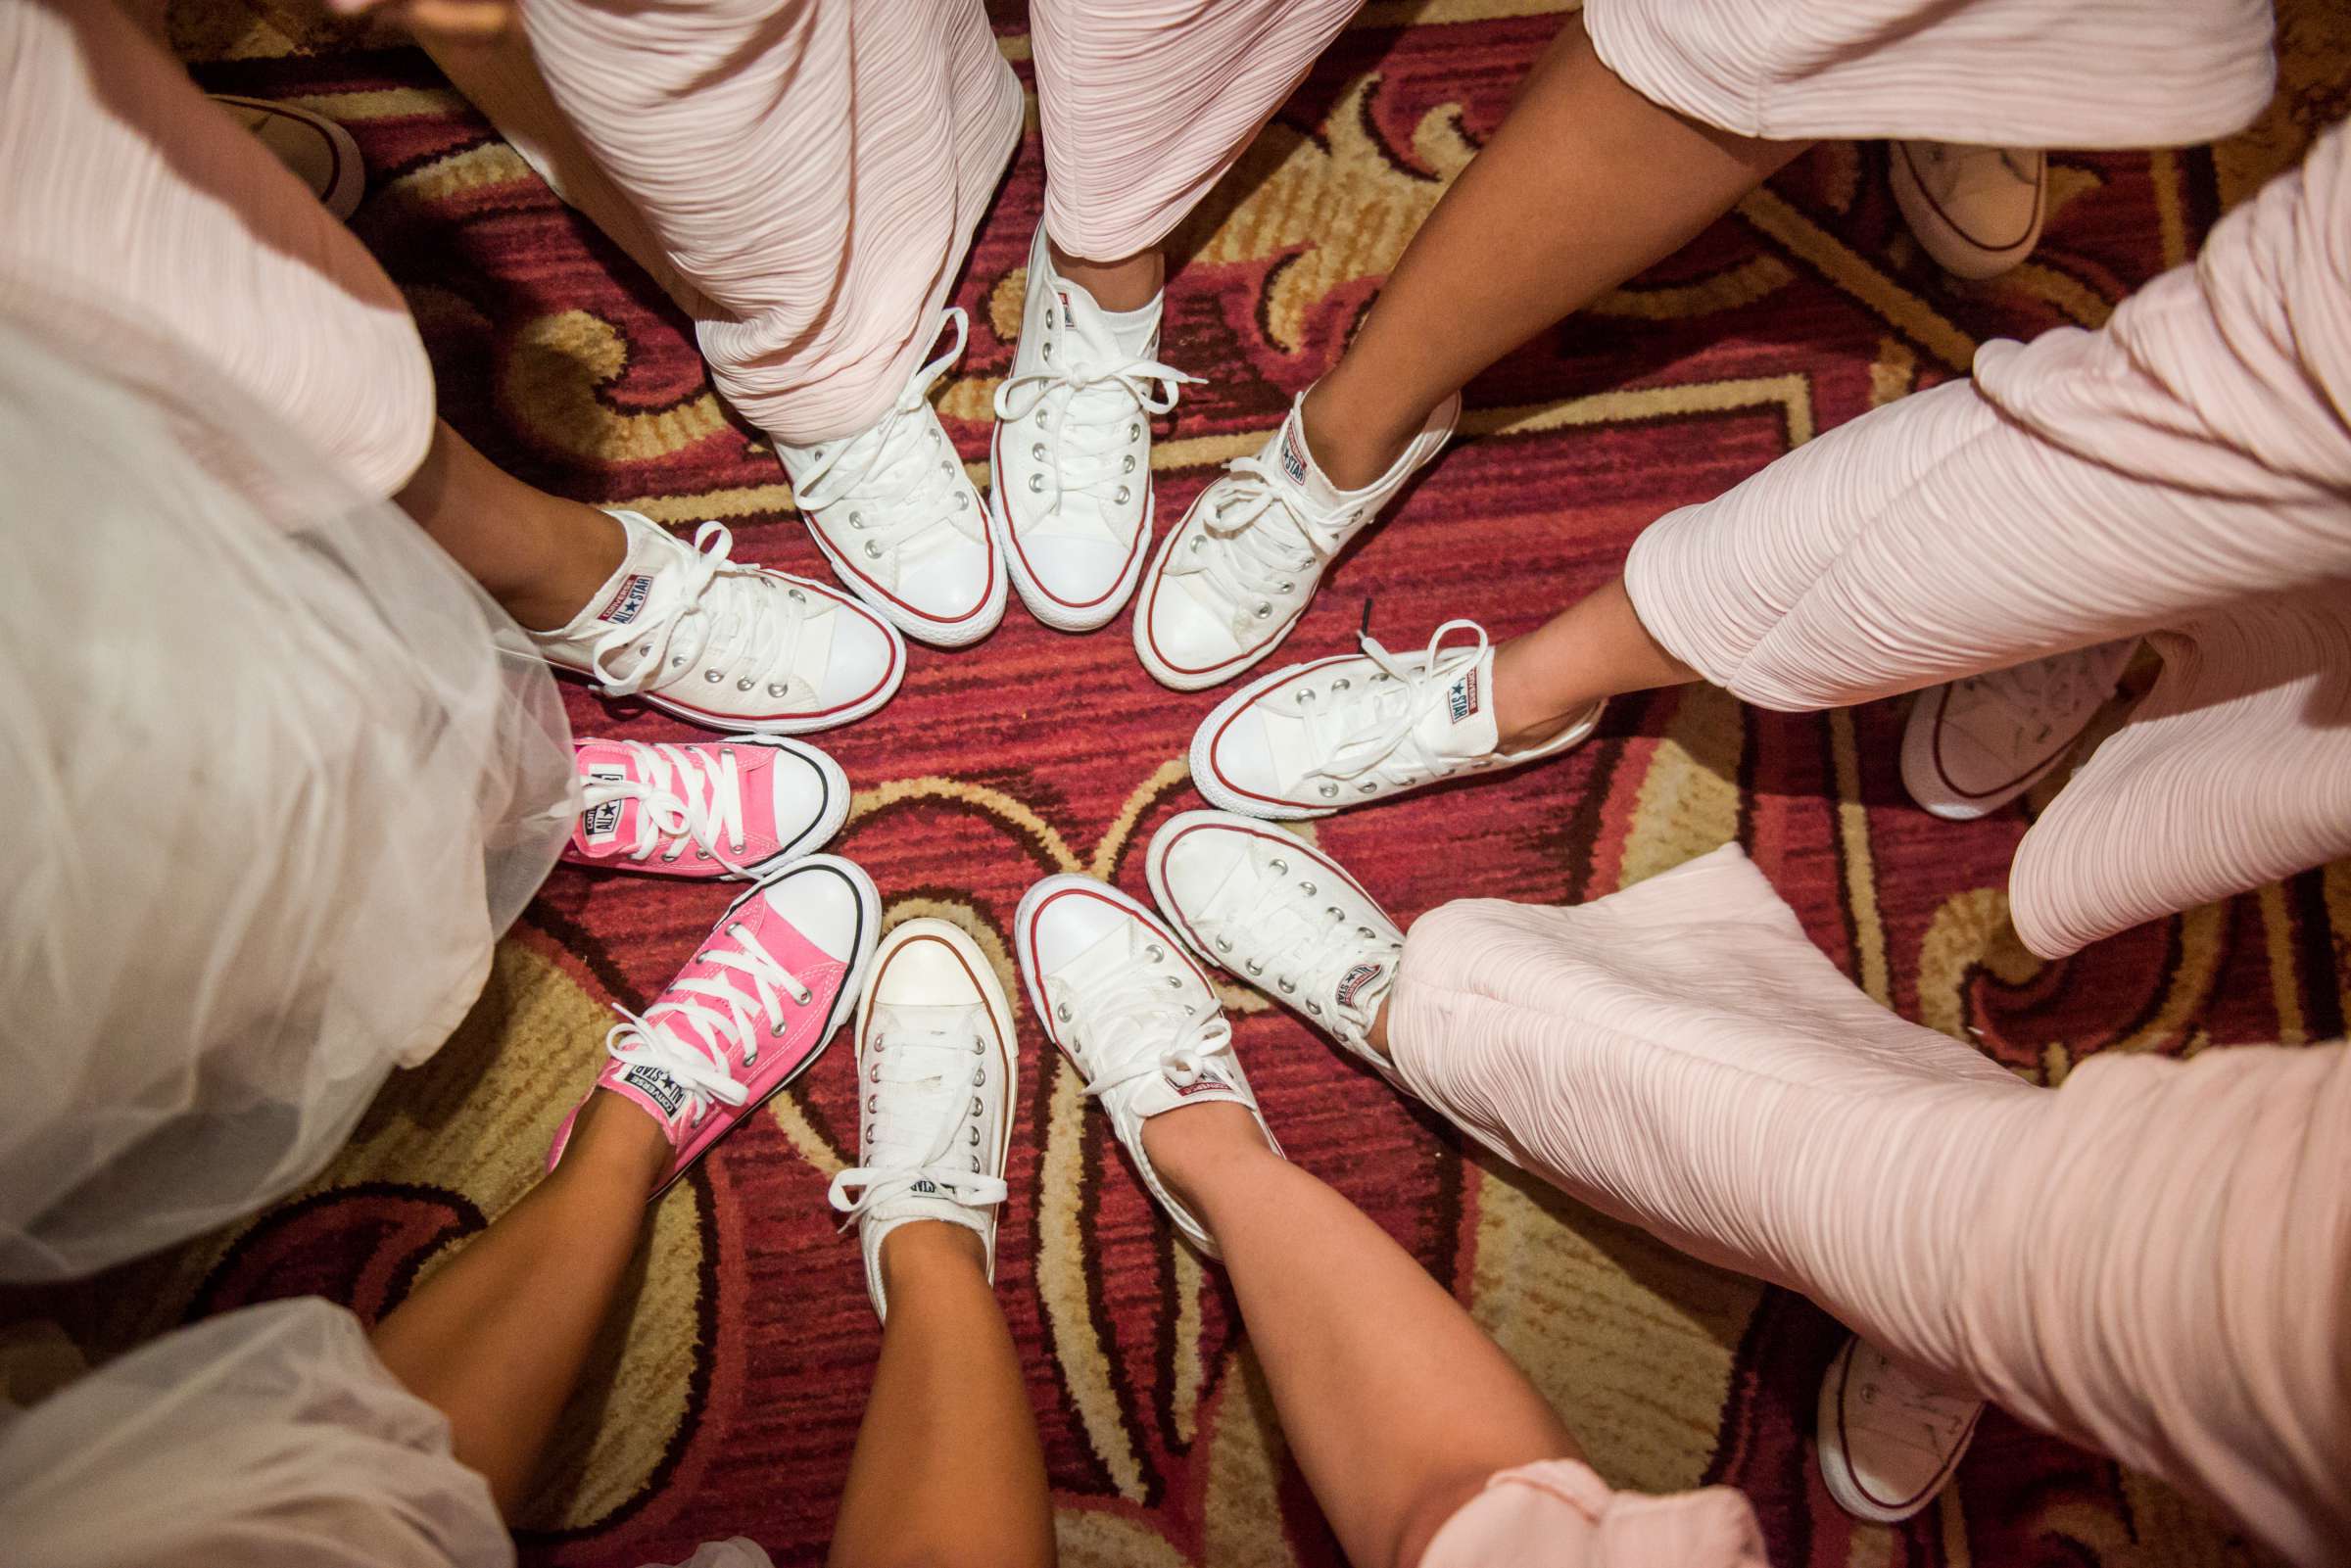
1377,1037
1351,444
586,548
928,1247
1128,283
1190,1143
1527,710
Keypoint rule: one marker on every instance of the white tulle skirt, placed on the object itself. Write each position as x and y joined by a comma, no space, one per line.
282,775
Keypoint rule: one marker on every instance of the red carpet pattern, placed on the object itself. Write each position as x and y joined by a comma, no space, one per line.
726,1400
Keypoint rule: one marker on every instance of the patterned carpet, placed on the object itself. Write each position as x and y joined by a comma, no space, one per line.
726,1398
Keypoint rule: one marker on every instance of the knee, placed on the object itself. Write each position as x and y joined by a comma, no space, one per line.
1418,1527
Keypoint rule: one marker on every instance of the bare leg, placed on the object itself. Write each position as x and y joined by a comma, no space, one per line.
540,557
1396,1403
1126,284
497,1338
1596,647
947,1470
1585,184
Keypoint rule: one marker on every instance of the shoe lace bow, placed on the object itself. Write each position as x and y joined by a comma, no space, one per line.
726,1014
685,798
1371,731
917,1116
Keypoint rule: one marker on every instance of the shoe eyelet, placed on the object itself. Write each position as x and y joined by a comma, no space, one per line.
1330,791
1279,866
1366,932
1288,987
795,596
644,650
1199,542
1037,452
701,854
1154,953
1366,788
713,676
979,1077
1127,466
873,1103
979,1049
946,466
1135,431
1341,684
1306,888
974,1140
872,550
1048,352
1254,967
975,1165
743,684
962,500
1224,944
1036,484
975,1104
1335,912
1061,1011
775,688
874,1076
1125,496
1264,611
856,519
1175,983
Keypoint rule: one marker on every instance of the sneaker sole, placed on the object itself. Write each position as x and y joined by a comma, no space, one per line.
1044,606
844,1004
1836,1469
957,633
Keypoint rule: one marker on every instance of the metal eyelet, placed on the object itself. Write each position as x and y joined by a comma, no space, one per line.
1061,1011
1334,911
1036,451
1279,866
975,1104
979,1077
775,688
1127,465
1306,888
1175,983
1154,953
1048,354
1125,496
677,661
712,676
1036,484
975,1137
873,1103
873,549
1366,932
946,466
1331,791
856,519
874,1076
743,684
975,1165
1254,967
1341,684
979,1048
962,500
1264,611
795,596
1288,987
1366,788
1199,542
701,854
1224,944
1135,431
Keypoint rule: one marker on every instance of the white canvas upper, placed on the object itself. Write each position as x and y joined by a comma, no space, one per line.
1135,1015
1318,737
1888,1441
1232,578
896,515
1975,744
730,646
936,1067
1978,210
1072,498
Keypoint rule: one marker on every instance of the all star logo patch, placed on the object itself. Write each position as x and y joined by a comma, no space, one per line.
1462,701
1184,1091
629,601
1351,985
657,1086
924,1185
603,821
1293,460
1067,319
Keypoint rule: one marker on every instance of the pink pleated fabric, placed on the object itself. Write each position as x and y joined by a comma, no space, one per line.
1559,1514
2149,1259
816,168
1992,72
143,226
2183,473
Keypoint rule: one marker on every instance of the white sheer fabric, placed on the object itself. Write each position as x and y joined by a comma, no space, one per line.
282,774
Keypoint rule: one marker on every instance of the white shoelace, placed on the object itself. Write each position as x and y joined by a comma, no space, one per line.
2044,694
713,613
1136,1002
893,484
1947,163
685,798
1255,544
1370,733
922,1106
721,1011
1090,413
1313,942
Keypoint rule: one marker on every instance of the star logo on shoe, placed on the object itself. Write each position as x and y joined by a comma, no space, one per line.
1293,460
603,819
657,1086
1351,985
1184,1091
627,603
1460,702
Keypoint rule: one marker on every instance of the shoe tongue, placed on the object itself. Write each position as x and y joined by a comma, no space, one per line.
651,1091
1295,463
1461,724
610,824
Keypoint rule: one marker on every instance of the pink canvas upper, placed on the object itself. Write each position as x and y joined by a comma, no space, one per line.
729,784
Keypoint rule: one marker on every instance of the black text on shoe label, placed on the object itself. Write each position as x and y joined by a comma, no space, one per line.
629,602
657,1086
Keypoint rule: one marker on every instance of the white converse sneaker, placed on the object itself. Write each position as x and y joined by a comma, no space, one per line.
1071,499
1343,732
1134,1015
1888,1442
935,1066
1978,210
731,647
1278,914
897,517
1971,747
1233,579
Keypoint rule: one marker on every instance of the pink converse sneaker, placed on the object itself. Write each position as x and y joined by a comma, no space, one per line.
749,1013
742,807
728,647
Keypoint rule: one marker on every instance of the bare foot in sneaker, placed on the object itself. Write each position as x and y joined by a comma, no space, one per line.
1321,737
749,1013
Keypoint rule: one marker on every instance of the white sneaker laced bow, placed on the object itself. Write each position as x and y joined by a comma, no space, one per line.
1308,943
709,612
2047,698
687,798
1141,1002
723,1012
1087,417
922,1095
892,482
1256,542
1366,734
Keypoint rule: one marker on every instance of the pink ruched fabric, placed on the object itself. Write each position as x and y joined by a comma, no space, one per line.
2183,473
1559,1514
815,169
1994,73
143,227
2151,1259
